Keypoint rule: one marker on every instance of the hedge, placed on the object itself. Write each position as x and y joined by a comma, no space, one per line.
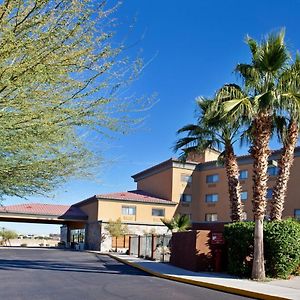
281,248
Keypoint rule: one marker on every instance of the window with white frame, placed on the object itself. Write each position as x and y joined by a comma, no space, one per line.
158,212
186,198
128,210
211,198
244,195
212,178
243,174
211,217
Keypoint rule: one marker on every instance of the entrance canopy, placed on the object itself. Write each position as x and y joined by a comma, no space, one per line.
42,213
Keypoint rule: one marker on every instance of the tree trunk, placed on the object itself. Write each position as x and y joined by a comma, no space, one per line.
234,187
285,163
262,128
258,270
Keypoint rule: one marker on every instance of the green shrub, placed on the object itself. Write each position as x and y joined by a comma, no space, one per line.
239,239
281,248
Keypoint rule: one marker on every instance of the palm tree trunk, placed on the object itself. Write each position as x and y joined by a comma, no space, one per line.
258,269
262,128
285,163
234,187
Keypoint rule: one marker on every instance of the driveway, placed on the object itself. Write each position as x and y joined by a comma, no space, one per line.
30,274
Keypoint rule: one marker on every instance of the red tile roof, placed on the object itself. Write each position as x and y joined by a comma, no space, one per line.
64,211
135,196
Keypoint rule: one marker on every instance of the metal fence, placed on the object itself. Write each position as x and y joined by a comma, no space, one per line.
154,247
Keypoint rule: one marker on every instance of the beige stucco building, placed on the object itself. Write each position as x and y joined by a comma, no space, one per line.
197,188
200,188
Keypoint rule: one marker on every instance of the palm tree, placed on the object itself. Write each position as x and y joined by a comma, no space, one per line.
262,100
284,165
290,85
220,134
178,223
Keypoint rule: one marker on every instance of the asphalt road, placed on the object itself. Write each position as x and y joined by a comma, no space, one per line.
29,274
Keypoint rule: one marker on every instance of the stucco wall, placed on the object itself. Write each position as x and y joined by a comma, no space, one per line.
112,210
198,208
91,209
159,184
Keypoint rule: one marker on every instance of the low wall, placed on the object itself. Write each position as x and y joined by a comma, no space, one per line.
33,242
191,250
213,226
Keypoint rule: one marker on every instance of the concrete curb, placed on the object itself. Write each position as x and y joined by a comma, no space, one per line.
213,286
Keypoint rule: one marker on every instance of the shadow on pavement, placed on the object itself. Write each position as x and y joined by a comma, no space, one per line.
102,264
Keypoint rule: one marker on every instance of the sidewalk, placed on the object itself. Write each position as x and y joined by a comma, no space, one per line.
275,289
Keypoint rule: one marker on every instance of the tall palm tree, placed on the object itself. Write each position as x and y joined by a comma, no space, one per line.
261,77
220,134
284,165
289,83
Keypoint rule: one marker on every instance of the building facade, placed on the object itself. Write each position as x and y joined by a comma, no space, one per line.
200,188
140,211
197,188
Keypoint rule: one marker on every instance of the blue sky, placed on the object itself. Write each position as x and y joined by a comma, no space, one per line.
192,48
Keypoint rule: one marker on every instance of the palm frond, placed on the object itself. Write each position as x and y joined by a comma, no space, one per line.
252,45
238,108
247,136
271,55
178,223
249,75
168,223
280,125
186,142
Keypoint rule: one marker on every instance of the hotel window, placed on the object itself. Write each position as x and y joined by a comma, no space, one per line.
273,171
186,198
128,210
186,178
211,217
269,193
243,174
244,196
212,178
211,198
297,214
158,212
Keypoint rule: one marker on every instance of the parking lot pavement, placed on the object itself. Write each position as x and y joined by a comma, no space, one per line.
29,274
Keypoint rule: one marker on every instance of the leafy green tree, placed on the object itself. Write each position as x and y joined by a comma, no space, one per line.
221,134
61,78
7,235
178,223
116,228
